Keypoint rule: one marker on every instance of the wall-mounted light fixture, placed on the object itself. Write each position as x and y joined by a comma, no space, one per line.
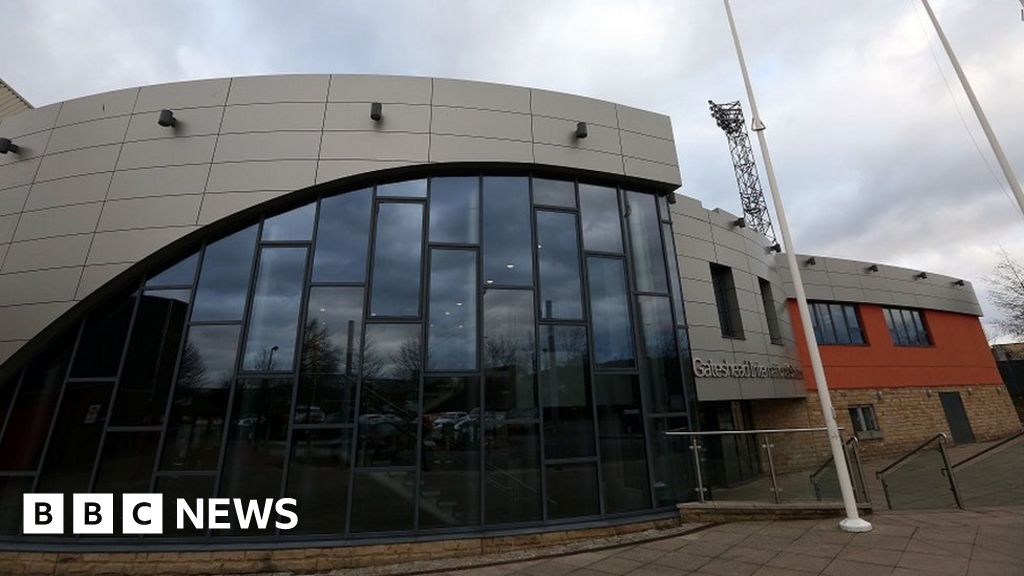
375,111
920,275
671,197
7,146
873,268
878,394
811,261
740,223
167,119
775,248
581,130
928,392
958,283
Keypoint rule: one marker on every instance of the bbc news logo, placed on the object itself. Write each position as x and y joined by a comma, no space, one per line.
144,514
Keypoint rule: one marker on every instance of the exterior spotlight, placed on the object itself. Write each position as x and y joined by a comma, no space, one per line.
958,283
740,223
920,275
775,248
873,268
811,261
581,130
375,111
167,119
671,198
7,146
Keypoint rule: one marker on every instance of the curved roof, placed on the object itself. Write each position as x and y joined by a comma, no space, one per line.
98,186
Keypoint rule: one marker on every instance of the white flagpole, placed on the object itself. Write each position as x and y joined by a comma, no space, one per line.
992,140
853,522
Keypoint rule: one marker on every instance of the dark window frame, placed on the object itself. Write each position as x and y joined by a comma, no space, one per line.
921,336
865,421
214,477
730,319
824,323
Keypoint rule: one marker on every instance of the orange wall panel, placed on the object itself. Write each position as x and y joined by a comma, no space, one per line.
959,354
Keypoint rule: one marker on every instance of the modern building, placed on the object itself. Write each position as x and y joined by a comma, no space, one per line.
1010,360
421,307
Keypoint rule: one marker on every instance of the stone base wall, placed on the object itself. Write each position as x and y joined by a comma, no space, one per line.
301,560
906,417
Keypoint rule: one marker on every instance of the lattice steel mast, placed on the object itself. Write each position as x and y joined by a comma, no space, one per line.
729,117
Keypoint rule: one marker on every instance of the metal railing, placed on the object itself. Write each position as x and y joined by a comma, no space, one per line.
924,475
779,465
821,477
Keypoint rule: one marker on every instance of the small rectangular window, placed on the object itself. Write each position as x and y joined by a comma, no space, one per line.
771,315
836,323
725,299
865,425
906,327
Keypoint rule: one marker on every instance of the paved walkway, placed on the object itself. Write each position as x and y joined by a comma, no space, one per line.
902,544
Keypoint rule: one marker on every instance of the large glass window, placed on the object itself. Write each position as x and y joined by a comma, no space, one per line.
565,393
509,353
508,257
512,482
599,210
455,210
726,302
836,323
76,437
200,398
318,479
609,314
151,359
673,271
329,367
771,314
342,237
906,326
487,379
389,403
620,426
396,260
662,373
451,334
102,341
561,193
274,320
450,466
295,225
645,242
224,278
558,260
33,408
257,439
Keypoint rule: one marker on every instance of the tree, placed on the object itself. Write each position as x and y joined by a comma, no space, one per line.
1007,293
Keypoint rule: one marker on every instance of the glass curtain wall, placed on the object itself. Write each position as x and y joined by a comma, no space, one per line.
445,353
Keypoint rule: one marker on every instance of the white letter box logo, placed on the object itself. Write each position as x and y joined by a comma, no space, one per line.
42,513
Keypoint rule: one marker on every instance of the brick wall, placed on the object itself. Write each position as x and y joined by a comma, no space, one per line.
303,560
906,417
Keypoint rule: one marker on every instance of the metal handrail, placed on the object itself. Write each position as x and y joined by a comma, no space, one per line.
947,469
993,448
852,443
695,447
742,432
941,436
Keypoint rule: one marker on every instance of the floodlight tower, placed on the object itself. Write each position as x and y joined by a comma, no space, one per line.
729,117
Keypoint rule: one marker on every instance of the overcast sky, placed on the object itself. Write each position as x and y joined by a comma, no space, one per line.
873,159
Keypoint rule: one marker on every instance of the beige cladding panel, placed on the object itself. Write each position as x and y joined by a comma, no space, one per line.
100,185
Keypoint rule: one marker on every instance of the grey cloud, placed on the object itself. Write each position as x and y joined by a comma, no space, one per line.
873,161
